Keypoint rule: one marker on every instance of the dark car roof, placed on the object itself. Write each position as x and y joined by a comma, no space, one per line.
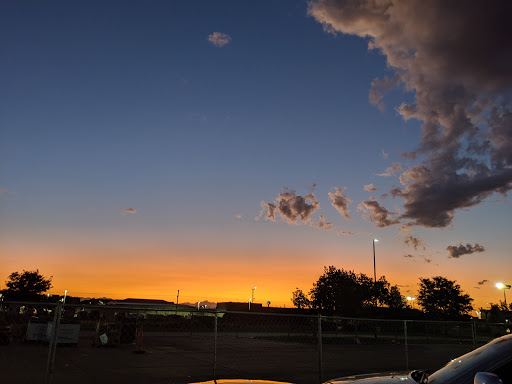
484,359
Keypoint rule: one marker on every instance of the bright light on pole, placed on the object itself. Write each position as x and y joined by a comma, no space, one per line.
409,298
250,304
374,269
503,286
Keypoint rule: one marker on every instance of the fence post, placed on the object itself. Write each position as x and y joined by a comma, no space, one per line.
406,346
215,347
320,365
50,364
473,333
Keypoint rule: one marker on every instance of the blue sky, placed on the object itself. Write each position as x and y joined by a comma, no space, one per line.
109,105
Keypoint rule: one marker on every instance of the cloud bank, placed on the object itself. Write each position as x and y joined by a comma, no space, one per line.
455,57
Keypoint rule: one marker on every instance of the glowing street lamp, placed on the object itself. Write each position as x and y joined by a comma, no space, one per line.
374,270
409,298
250,304
503,286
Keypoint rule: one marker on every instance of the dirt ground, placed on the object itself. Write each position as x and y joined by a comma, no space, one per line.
185,358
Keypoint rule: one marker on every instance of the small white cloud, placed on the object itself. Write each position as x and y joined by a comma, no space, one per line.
219,39
385,155
129,210
370,188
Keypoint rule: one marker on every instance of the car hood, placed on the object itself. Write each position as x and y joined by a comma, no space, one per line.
376,378
241,381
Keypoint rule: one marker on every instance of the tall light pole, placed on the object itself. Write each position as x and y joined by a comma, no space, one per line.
374,269
253,294
503,286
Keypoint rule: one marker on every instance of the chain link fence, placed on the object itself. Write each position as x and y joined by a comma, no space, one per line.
61,343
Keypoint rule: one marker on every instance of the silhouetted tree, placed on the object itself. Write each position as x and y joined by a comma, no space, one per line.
300,300
443,298
27,286
498,312
346,293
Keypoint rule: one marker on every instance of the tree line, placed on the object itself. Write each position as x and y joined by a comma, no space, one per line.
345,293
336,292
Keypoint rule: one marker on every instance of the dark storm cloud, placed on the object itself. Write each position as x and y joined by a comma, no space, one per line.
378,213
483,282
340,201
460,249
456,58
293,208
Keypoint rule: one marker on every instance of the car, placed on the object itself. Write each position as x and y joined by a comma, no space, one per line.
489,364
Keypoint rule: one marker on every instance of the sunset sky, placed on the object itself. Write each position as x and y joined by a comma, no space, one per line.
210,147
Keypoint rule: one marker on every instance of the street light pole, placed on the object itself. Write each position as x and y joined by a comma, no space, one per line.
503,286
253,293
374,269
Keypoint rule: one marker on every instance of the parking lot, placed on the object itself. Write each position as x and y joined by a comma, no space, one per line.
187,357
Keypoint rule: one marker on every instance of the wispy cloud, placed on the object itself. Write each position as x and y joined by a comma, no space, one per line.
130,210
370,188
482,282
395,169
410,240
219,39
377,213
340,201
323,224
347,233
379,87
460,249
5,191
385,155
